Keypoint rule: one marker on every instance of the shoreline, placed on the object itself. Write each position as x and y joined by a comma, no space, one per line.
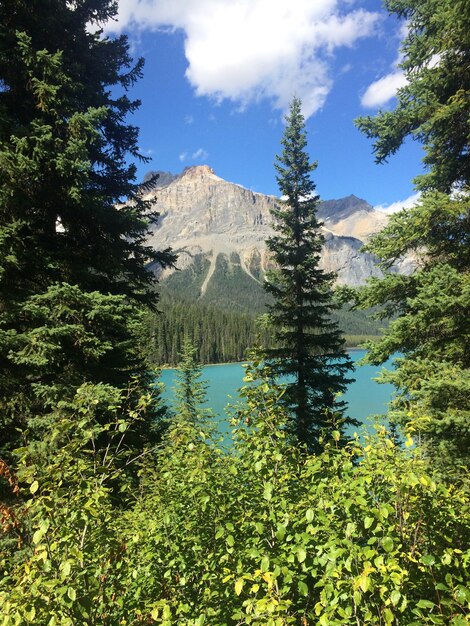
245,362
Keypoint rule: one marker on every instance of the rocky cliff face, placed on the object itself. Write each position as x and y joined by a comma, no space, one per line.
207,218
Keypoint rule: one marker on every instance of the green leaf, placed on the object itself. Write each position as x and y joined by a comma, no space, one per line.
368,521
303,588
462,594
395,596
384,511
387,543
364,582
301,555
30,613
281,532
309,514
425,604
34,487
267,494
428,559
65,568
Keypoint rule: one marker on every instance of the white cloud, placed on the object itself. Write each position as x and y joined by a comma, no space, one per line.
246,50
408,203
188,120
383,90
198,155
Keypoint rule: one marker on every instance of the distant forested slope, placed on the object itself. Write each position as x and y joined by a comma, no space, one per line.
224,335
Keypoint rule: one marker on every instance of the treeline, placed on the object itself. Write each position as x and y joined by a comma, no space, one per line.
223,336
219,336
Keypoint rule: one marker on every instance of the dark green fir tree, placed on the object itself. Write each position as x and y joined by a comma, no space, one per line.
73,257
309,344
430,308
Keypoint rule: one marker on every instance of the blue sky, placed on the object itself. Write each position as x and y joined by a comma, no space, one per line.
219,75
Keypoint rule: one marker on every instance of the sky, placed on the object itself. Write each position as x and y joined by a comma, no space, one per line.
219,76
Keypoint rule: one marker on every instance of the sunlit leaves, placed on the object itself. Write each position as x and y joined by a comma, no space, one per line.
362,533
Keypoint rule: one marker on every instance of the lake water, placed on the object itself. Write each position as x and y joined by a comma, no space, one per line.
364,396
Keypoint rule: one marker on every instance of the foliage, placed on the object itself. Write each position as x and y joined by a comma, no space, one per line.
432,328
218,335
98,526
70,258
261,534
190,391
434,106
221,335
69,566
308,344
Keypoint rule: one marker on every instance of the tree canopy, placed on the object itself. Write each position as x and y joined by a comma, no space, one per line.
72,256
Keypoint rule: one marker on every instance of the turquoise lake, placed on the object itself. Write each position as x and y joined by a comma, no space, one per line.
364,396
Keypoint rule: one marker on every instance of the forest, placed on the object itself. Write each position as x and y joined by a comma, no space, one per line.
221,335
115,510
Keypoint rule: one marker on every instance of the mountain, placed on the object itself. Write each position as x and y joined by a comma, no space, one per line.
219,229
351,217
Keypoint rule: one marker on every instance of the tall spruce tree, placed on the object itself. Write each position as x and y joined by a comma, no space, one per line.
310,346
431,307
72,263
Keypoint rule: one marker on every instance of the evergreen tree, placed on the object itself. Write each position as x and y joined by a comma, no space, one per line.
190,390
310,347
72,263
431,329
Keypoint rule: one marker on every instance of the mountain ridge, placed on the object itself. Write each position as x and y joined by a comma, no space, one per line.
205,217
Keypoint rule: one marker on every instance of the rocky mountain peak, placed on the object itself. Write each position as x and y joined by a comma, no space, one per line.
351,216
342,208
205,217
162,179
199,172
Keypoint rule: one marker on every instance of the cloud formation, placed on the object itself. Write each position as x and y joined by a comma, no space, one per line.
383,90
247,50
408,203
198,155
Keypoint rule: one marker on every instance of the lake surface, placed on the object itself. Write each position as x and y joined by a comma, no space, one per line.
364,396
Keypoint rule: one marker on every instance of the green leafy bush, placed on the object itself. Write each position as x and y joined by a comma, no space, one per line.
261,534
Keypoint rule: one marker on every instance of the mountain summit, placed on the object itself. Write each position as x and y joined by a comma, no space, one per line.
219,229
